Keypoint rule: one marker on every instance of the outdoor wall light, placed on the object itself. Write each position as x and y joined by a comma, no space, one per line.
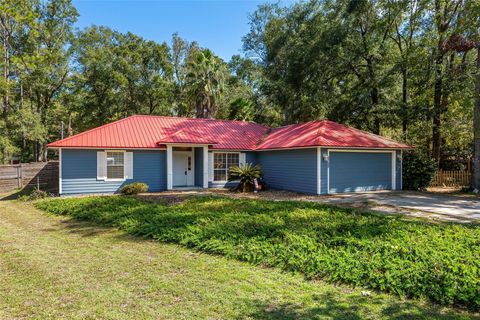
325,157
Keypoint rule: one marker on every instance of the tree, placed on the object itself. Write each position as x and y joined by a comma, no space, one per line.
205,79
476,127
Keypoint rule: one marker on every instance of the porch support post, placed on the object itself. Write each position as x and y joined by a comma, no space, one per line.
169,167
205,166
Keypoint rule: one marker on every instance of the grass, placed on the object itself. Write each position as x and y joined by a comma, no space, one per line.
410,258
55,267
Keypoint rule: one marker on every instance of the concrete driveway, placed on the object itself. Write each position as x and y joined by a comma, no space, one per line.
438,206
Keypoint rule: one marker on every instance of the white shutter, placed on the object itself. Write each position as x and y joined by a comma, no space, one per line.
128,165
101,165
210,166
242,160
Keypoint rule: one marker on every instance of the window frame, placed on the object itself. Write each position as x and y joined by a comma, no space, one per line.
106,165
226,169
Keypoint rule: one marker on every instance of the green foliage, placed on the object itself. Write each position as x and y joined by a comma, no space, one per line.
389,253
33,194
418,170
245,174
206,74
134,188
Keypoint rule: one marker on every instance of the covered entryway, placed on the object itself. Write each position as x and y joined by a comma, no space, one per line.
357,171
187,166
183,168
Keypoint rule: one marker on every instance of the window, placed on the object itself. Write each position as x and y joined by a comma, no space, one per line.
115,165
222,162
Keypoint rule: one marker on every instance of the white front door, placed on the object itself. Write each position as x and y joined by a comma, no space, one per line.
183,168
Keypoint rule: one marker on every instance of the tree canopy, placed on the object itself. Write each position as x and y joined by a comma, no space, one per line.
404,69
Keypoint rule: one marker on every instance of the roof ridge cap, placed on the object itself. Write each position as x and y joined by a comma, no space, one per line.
372,134
189,118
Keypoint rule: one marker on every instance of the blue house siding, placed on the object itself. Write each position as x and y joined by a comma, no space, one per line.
150,167
294,170
251,157
79,172
198,166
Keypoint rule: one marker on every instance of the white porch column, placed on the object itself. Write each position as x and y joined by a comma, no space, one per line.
205,166
169,167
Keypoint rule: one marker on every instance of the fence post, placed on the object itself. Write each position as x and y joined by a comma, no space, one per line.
21,175
19,178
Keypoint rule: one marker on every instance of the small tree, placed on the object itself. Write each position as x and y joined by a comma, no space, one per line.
418,170
246,173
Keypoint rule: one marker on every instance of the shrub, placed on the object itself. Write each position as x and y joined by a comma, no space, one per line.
246,173
34,194
418,170
134,188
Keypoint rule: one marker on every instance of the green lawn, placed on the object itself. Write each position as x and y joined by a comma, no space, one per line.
57,267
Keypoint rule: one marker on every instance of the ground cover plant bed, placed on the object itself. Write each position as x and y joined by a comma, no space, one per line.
412,258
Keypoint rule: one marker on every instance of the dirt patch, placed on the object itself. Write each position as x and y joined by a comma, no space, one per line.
163,198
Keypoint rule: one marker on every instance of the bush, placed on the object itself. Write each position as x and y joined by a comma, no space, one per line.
418,170
246,173
389,253
134,188
34,194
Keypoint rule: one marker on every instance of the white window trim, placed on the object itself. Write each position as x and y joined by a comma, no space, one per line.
213,159
106,169
393,154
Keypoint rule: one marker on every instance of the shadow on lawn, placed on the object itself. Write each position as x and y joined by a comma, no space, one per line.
292,237
332,306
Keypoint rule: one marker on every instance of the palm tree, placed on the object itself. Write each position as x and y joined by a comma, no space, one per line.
205,78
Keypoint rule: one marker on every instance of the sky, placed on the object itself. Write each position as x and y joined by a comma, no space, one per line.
217,25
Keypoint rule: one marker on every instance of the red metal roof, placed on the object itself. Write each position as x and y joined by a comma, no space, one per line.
324,133
156,131
186,136
149,131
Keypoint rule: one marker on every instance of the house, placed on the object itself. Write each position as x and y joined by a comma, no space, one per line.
317,157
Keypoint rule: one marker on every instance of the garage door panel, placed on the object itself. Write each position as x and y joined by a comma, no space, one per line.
359,171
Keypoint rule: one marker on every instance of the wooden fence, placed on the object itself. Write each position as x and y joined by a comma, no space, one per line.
451,178
18,176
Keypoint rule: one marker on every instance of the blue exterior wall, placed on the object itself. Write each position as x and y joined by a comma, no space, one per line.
198,166
79,172
251,157
294,170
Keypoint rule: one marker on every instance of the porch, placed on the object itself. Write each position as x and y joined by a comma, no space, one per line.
187,166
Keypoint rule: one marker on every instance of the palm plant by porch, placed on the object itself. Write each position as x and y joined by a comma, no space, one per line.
245,174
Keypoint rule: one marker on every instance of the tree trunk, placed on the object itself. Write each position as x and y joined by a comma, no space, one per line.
476,128
404,103
437,107
376,119
6,63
